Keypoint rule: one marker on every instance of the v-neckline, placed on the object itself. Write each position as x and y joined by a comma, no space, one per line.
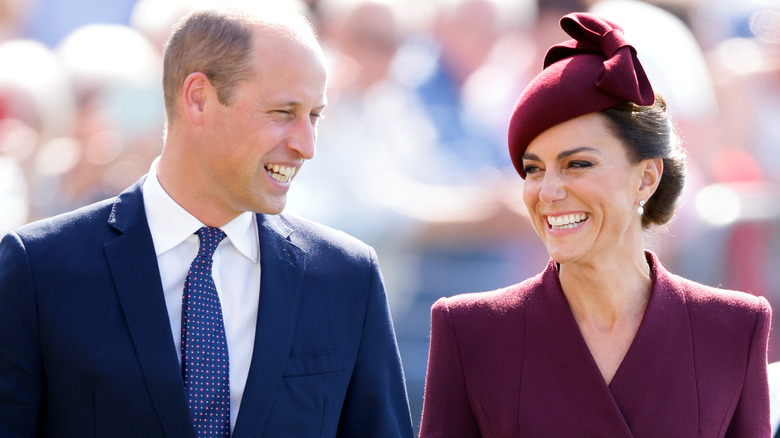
559,371
581,336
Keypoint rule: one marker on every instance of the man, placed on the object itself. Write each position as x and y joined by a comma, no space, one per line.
102,320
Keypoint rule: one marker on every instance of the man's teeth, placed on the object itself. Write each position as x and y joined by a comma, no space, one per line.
566,221
280,173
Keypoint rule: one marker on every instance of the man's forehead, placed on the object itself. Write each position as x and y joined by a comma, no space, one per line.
272,36
307,97
273,49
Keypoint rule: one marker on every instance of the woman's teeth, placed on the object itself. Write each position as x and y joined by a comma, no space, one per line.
566,221
282,174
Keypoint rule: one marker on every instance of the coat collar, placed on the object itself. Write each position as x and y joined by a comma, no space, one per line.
281,285
660,362
133,265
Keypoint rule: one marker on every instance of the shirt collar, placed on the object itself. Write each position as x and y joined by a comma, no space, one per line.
170,224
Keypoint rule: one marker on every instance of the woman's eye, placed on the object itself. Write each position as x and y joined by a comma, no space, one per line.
530,168
580,164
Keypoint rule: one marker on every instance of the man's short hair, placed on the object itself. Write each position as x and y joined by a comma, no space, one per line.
218,43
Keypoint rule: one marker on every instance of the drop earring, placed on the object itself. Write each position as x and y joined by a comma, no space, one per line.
641,209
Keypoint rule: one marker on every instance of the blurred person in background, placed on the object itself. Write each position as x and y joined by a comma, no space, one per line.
462,35
279,328
746,65
376,129
37,108
605,341
115,75
12,13
14,203
14,196
50,21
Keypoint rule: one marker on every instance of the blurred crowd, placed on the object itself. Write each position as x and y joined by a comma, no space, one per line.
412,153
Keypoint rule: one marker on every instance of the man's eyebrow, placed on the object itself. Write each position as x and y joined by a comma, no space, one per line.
295,103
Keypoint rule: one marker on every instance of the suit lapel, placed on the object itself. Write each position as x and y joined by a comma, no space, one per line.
133,264
561,382
282,267
654,380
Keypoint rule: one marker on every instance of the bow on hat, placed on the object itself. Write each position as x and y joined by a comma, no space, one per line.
595,70
622,74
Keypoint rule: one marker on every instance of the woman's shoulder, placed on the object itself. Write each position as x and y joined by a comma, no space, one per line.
495,302
714,298
699,295
725,306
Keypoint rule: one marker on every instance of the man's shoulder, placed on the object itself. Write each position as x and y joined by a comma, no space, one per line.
314,236
66,224
98,219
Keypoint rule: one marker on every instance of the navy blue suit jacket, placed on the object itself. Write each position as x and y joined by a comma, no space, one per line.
86,348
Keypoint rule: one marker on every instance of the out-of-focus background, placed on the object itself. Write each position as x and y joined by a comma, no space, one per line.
411,156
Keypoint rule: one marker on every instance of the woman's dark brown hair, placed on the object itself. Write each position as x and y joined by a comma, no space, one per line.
648,132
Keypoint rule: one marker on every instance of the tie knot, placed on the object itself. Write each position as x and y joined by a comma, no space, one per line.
209,239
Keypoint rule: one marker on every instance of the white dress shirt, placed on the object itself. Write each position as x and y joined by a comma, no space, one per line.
236,272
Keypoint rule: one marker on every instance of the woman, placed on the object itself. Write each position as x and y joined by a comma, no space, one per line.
605,342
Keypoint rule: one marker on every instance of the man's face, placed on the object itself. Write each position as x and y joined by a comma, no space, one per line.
259,142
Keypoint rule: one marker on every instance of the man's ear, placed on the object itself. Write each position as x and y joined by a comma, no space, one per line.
194,94
651,171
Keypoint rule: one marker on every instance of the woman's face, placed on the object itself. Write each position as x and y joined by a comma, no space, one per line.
581,190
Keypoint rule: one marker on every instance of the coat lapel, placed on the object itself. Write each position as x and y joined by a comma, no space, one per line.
561,382
654,381
281,283
131,258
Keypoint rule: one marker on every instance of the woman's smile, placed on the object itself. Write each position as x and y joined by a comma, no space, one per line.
566,221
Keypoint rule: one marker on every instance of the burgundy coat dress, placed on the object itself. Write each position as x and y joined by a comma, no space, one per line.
513,363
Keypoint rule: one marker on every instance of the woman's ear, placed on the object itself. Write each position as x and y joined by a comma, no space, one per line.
194,93
651,170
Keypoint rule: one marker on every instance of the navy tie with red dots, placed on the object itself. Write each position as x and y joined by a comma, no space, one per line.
204,353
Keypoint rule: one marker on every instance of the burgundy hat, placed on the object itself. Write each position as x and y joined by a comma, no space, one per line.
594,71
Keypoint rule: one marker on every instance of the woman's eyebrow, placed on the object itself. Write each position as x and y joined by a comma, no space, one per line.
563,155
